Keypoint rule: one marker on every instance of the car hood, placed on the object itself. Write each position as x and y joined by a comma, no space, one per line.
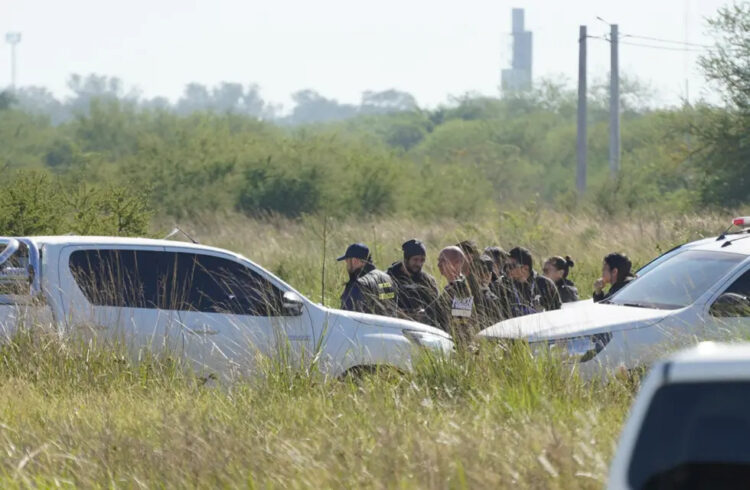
584,318
384,322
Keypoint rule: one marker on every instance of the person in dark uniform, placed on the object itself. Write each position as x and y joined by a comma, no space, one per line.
368,290
454,311
557,269
489,305
615,271
529,292
416,288
500,284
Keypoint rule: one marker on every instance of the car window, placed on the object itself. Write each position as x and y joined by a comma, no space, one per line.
741,285
172,281
15,278
123,278
211,284
678,281
734,301
694,432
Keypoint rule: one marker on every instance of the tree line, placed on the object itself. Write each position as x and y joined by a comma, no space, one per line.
474,155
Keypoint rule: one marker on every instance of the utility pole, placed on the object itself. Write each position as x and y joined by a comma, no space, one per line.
581,145
614,103
13,38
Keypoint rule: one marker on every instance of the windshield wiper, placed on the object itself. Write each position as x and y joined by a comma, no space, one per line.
635,305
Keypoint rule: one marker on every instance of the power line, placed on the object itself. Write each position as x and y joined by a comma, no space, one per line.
664,48
667,41
651,46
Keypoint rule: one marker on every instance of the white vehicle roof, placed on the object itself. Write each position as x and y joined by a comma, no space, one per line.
709,361
738,243
62,240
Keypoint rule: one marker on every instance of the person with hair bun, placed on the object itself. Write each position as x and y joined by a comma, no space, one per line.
557,269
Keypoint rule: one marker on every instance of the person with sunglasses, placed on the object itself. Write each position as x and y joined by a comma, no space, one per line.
529,292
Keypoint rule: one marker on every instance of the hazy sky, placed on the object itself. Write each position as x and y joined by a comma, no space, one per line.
431,48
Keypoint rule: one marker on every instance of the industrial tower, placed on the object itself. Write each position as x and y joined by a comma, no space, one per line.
518,76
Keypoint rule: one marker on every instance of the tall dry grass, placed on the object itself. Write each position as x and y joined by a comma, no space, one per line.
78,414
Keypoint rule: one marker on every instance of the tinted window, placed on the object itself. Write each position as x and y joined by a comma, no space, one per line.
694,432
679,280
741,285
215,285
176,281
124,278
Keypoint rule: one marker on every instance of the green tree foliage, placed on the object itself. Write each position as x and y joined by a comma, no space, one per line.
34,203
724,155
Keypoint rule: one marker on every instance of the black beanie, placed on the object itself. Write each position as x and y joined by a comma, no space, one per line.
412,248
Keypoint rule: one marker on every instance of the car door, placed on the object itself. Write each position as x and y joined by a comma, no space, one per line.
234,315
117,293
731,321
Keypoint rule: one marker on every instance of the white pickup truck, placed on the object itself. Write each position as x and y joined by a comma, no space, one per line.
213,307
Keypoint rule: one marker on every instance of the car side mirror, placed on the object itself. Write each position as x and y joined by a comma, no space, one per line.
292,304
730,305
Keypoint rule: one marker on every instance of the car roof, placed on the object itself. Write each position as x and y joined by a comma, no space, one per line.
709,361
738,243
63,240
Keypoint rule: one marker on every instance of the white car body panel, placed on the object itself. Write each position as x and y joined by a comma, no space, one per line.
219,343
639,336
707,362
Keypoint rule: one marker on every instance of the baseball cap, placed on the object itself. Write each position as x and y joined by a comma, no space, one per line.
356,251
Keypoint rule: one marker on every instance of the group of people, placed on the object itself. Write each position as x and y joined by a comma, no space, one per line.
483,287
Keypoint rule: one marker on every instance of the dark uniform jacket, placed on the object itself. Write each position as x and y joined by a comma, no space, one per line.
613,289
455,312
568,291
416,292
490,308
370,290
533,296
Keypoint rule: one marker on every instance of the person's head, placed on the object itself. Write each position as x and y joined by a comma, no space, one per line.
357,255
415,254
498,257
471,253
557,268
519,264
451,262
615,268
486,266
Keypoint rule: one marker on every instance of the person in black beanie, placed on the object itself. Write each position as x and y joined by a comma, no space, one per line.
416,288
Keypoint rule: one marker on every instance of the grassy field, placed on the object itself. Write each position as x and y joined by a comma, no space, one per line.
81,415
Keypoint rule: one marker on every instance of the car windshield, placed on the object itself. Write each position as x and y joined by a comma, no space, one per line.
677,281
694,432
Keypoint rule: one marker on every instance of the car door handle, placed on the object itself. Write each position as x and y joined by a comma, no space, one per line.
202,330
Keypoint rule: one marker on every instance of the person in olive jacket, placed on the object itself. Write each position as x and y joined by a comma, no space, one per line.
615,271
557,269
416,288
368,290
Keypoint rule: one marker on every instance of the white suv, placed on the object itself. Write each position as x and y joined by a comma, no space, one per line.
699,291
218,309
690,424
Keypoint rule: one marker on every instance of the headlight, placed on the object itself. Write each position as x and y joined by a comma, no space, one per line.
430,341
579,349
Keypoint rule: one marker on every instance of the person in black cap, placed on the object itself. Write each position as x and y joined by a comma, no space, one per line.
368,290
416,288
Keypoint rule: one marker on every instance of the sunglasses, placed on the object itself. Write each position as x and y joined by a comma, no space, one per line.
512,266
